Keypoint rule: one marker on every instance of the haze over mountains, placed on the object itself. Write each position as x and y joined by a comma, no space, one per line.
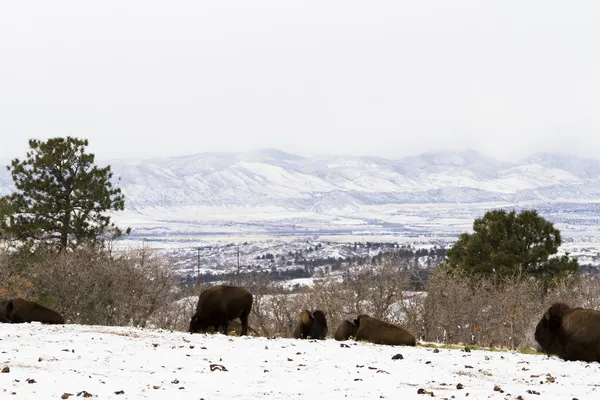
271,177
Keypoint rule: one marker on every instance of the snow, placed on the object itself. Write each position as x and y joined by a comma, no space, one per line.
47,361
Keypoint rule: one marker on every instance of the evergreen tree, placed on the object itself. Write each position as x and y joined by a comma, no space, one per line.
507,244
61,196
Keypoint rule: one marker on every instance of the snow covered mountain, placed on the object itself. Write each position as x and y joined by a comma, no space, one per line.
271,177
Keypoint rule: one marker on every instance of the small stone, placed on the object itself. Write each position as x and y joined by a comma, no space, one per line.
5,370
460,386
66,395
398,357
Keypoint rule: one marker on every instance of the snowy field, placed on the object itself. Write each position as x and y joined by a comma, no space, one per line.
51,362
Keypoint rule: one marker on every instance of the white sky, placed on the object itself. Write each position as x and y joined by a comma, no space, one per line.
387,78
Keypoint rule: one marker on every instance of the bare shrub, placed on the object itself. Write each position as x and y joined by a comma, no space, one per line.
88,287
486,312
377,289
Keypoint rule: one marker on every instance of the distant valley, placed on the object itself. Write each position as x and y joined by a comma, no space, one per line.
218,199
273,193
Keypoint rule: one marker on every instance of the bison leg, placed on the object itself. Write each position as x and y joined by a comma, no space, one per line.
225,324
244,320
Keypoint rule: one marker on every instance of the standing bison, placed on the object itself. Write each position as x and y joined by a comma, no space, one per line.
311,325
220,304
380,332
572,334
345,330
19,310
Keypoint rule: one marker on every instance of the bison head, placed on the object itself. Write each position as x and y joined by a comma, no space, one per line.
319,325
315,323
547,329
197,325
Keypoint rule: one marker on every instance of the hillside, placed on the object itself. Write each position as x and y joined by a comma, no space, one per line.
75,361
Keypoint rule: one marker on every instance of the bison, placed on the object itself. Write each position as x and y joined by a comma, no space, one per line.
380,332
345,330
311,325
220,304
572,334
19,310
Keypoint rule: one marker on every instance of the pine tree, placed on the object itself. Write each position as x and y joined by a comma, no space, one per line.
508,244
61,196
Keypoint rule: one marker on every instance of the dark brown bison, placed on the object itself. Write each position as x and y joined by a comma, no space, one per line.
19,310
3,317
311,325
572,334
345,330
220,304
380,332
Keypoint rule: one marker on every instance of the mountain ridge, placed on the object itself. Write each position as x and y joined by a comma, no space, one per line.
332,182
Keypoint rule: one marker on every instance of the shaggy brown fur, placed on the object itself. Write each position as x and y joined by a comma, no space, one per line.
311,325
220,304
345,330
380,332
572,334
19,310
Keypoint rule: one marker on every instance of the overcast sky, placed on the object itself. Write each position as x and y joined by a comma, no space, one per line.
144,78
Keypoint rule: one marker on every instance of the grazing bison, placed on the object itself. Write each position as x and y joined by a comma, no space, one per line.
220,304
345,330
3,317
19,310
572,334
311,325
380,332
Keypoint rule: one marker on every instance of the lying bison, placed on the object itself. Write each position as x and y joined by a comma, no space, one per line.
19,310
220,304
345,330
572,334
311,325
380,332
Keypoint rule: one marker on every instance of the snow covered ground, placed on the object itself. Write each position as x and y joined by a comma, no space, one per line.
47,362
